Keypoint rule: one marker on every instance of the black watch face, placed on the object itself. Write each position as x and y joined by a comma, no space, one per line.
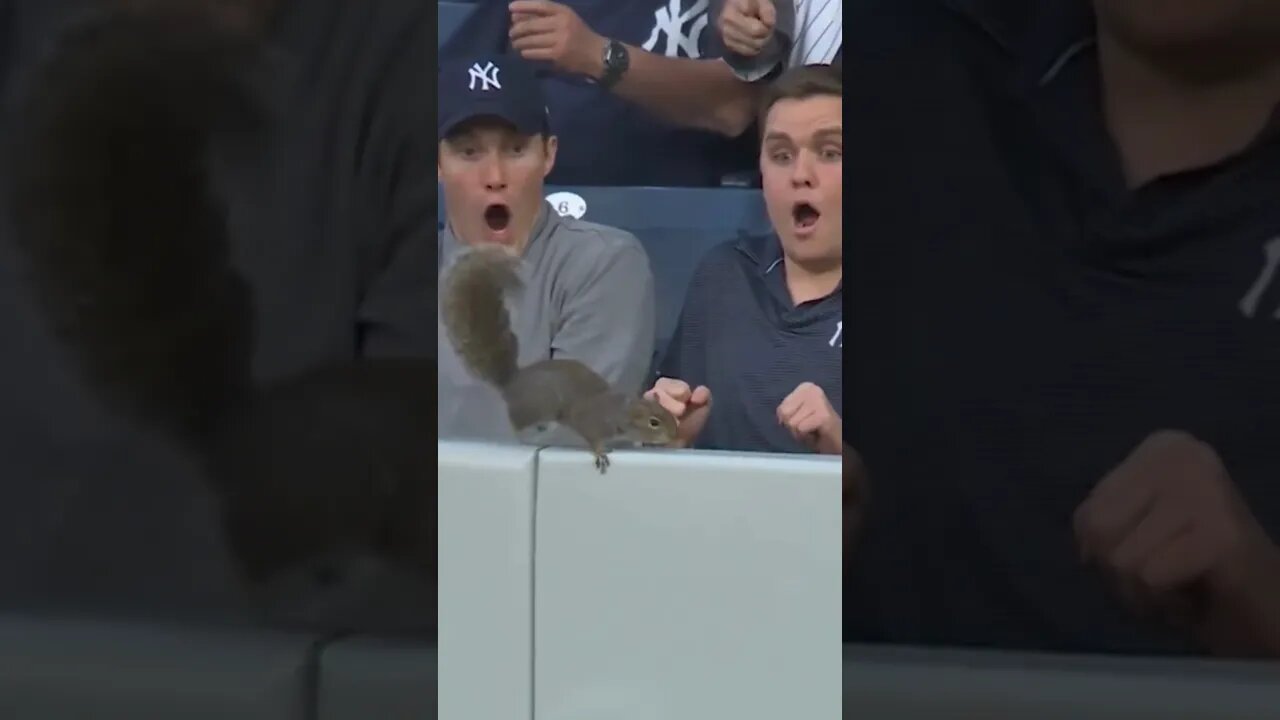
615,62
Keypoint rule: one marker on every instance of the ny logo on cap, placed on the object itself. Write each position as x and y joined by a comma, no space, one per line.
487,76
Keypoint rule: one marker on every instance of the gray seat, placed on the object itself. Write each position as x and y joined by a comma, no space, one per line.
900,683
677,226
135,671
362,679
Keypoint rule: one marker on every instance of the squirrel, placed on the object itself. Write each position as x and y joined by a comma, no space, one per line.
559,390
112,192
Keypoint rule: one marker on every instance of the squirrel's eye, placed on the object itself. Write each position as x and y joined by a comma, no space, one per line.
654,422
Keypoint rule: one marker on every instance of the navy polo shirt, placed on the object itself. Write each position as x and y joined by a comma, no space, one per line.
1023,320
741,335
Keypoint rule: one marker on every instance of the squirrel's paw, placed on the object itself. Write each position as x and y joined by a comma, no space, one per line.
602,462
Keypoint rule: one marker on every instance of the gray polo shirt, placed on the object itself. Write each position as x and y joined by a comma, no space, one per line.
588,295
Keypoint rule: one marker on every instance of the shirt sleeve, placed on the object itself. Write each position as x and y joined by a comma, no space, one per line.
773,57
396,312
819,33
609,322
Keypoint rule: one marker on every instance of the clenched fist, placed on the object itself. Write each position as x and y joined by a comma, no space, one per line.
746,26
808,415
1170,530
690,406
552,32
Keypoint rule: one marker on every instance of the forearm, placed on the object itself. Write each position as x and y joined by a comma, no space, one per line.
703,94
637,358
620,359
608,325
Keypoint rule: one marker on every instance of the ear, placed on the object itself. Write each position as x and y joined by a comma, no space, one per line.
549,161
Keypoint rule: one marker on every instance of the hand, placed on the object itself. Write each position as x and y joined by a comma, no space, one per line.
1170,528
747,25
689,406
808,415
549,31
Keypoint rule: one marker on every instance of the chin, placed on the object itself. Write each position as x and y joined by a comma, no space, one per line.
812,252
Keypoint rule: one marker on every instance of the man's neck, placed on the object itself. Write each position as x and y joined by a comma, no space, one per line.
812,281
1163,124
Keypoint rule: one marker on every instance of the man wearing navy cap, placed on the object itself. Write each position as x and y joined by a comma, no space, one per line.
588,292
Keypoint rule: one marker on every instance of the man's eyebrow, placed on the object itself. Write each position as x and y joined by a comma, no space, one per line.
461,138
820,134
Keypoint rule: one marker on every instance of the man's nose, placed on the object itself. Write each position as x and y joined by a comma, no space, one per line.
802,174
494,174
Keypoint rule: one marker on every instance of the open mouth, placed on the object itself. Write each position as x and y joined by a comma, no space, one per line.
497,217
805,215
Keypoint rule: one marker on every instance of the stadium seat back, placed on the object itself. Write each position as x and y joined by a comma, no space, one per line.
451,14
676,226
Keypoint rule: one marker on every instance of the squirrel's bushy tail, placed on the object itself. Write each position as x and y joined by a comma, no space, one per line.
475,313
111,197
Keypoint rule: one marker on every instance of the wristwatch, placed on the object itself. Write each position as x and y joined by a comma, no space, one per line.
616,62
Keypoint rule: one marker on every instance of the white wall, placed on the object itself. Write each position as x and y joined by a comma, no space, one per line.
485,555
677,585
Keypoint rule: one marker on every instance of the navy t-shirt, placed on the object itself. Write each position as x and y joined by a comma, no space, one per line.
605,140
1023,320
742,336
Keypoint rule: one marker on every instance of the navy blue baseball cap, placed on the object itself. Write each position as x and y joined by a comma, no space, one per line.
501,86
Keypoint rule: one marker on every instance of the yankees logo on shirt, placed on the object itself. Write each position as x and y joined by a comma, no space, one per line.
682,27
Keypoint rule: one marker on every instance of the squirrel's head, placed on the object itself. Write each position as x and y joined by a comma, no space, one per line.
649,423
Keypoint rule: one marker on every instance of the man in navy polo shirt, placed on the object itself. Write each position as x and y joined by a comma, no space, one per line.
1066,228
762,331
